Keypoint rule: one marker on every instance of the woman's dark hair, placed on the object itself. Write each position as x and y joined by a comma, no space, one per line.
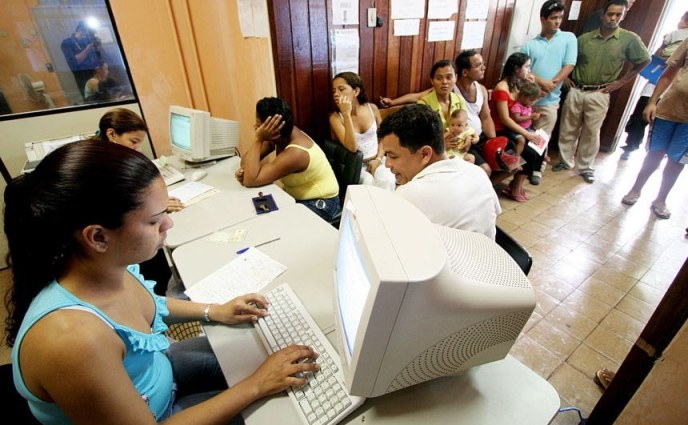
513,63
443,63
79,184
354,80
121,120
269,106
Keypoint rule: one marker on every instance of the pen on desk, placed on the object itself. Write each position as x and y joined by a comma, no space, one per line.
242,250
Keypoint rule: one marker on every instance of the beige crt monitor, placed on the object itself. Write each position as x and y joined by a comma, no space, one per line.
415,301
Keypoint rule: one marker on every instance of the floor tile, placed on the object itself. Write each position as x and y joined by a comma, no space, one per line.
553,338
601,291
576,388
623,325
608,343
535,356
588,361
571,321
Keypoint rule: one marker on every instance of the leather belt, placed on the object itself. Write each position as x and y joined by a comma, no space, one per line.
589,87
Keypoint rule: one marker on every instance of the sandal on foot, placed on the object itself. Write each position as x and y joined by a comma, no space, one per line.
660,212
513,196
630,199
603,377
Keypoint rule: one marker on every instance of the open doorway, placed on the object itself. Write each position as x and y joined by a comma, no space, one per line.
668,23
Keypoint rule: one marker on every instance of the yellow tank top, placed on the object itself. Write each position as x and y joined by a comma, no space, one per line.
316,181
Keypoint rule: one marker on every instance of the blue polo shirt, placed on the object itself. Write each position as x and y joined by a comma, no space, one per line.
549,56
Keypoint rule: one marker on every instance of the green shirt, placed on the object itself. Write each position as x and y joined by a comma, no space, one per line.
600,61
456,102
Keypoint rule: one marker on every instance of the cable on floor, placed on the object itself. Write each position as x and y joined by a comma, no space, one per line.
580,415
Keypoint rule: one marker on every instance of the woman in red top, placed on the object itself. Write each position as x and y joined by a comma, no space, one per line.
516,71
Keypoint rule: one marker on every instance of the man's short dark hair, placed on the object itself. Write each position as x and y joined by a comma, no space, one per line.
415,126
463,60
551,6
623,3
440,64
269,106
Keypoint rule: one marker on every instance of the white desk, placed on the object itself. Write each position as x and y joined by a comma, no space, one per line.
231,206
504,392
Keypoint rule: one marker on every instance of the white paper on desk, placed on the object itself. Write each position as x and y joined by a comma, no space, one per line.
442,9
441,30
473,35
189,191
249,272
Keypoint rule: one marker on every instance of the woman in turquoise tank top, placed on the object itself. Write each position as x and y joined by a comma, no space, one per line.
86,330
298,162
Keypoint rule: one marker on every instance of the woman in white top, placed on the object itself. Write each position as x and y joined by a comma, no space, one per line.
355,124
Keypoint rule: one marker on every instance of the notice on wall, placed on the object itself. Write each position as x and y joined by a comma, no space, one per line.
477,9
406,27
345,12
253,18
345,50
441,30
473,35
442,9
408,9
574,12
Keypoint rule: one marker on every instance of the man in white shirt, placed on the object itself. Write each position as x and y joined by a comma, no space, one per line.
450,192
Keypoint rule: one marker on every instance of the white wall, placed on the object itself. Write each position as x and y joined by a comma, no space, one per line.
15,133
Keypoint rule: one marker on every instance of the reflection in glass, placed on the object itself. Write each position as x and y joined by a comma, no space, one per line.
62,55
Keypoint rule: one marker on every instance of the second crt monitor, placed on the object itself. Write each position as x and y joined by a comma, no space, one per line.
198,137
415,301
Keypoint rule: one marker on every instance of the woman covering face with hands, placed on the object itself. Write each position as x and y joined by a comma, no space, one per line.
298,162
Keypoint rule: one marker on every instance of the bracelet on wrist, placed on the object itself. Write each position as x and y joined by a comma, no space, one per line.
206,313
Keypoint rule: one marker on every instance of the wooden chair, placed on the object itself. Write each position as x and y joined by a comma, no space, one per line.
388,111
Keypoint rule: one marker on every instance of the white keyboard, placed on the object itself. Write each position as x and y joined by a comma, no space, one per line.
170,174
324,400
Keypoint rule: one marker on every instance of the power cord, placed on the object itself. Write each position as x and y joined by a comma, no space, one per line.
580,415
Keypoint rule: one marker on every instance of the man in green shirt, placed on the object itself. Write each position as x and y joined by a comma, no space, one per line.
601,57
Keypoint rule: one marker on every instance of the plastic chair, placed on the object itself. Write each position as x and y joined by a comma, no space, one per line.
346,166
15,406
515,250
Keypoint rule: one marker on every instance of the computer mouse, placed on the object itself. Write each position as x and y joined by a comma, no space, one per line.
197,175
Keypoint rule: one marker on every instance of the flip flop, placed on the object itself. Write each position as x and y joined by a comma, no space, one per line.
509,194
603,378
630,199
660,212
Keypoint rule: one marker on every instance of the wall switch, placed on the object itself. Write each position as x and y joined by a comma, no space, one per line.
372,17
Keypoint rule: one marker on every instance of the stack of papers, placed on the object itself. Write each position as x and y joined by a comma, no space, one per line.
192,192
249,272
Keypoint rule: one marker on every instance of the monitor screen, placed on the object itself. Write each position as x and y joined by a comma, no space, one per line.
415,301
353,284
180,131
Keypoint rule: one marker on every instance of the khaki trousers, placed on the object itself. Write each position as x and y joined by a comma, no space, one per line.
548,118
579,129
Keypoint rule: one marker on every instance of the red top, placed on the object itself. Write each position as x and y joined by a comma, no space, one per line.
500,96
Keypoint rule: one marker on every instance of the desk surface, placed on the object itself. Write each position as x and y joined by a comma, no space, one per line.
504,392
231,206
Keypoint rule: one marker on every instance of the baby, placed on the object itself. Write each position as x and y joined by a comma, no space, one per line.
522,112
465,136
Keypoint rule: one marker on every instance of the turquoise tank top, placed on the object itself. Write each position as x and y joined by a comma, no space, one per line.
145,362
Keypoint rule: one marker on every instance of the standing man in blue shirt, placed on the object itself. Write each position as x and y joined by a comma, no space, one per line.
553,55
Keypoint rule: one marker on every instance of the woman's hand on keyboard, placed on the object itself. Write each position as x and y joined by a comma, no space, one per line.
246,308
284,368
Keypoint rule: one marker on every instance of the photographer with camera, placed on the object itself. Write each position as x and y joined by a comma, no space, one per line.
82,51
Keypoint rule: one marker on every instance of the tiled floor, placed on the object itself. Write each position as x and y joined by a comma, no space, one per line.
599,270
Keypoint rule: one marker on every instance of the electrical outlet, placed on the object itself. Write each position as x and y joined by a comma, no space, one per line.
372,17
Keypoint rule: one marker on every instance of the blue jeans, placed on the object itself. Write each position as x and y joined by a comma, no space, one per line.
327,209
197,374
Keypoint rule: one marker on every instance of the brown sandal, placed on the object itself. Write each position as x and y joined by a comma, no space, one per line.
603,378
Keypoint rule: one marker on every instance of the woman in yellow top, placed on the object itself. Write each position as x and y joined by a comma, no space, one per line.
442,99
298,163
